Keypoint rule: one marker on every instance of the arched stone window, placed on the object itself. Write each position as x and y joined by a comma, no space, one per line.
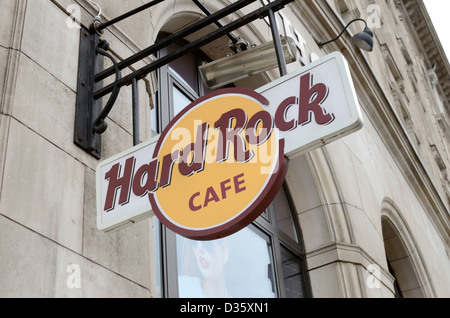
404,259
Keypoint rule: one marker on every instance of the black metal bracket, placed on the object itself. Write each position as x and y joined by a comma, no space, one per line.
99,126
90,115
88,108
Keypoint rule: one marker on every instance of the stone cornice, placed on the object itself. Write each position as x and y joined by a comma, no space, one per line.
429,41
325,20
339,252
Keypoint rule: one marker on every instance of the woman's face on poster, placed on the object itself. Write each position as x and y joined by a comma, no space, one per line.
211,258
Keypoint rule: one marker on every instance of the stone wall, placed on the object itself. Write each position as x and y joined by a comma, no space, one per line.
47,193
394,169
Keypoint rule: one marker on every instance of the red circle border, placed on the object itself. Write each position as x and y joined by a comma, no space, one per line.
258,205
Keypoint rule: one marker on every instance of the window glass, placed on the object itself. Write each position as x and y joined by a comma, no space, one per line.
283,215
185,67
180,100
292,274
264,260
237,266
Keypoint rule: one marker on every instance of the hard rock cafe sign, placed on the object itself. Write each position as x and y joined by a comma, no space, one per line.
220,162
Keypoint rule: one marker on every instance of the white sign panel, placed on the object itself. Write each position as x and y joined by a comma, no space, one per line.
128,202
309,108
318,104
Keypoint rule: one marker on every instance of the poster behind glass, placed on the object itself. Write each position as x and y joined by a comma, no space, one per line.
238,266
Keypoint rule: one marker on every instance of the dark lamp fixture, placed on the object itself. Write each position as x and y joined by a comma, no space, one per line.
363,40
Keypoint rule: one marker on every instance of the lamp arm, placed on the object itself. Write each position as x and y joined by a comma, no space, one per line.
346,27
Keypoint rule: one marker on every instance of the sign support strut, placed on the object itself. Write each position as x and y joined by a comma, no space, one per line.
90,121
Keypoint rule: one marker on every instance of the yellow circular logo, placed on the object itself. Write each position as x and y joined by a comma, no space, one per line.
220,164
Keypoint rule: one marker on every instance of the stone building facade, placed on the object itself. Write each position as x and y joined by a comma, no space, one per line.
371,209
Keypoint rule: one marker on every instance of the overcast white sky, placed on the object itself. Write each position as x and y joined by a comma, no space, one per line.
439,11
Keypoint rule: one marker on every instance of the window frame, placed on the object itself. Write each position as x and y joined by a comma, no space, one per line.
165,240
167,78
276,239
280,238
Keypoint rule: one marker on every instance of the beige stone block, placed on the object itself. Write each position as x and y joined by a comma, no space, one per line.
428,242
413,293
386,292
395,248
302,185
50,42
38,267
186,13
8,73
315,228
370,201
366,234
161,15
7,20
4,130
325,282
376,282
44,103
406,274
439,283
437,267
373,292
343,166
47,106
126,251
43,187
25,263
4,53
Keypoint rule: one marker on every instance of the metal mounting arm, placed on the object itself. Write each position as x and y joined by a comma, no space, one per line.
90,115
99,126
214,35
